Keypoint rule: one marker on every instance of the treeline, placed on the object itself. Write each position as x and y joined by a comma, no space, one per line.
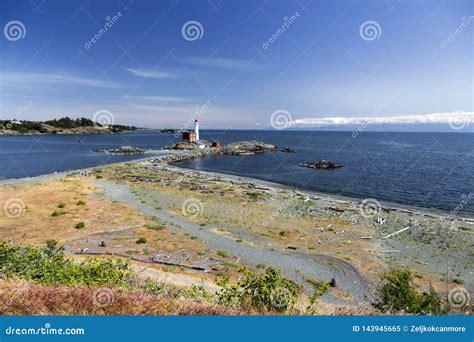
67,122
24,127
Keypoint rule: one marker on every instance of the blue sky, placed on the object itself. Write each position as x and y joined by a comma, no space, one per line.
321,67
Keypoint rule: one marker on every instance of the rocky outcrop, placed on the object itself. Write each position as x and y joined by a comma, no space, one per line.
323,165
128,150
188,145
246,148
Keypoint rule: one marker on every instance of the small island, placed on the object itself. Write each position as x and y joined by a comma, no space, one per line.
323,165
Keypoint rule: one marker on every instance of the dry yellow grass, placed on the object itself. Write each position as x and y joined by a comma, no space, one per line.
23,298
36,223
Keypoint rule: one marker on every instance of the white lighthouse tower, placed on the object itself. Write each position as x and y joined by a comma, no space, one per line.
196,129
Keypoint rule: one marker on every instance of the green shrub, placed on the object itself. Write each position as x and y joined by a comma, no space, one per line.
268,291
155,227
223,254
398,293
48,265
319,288
61,205
141,240
56,213
81,203
80,225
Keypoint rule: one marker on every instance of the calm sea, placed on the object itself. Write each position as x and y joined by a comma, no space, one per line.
434,170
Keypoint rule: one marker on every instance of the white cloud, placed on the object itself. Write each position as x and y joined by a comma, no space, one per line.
224,63
29,79
432,118
153,98
150,73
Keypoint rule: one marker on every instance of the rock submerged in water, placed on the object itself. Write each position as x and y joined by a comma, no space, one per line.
243,148
322,164
123,150
288,150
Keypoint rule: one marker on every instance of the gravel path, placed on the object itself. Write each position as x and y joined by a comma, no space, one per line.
295,265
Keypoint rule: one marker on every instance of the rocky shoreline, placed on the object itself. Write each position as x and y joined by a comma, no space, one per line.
166,161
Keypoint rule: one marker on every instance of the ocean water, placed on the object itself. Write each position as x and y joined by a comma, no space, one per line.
433,170
27,156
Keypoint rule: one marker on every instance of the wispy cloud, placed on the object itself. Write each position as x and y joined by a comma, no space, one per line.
32,79
432,118
153,98
150,73
224,63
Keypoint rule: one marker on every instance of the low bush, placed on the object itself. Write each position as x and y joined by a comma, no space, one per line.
56,213
268,291
48,265
141,240
397,293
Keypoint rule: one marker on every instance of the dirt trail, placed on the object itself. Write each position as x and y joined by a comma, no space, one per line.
173,279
